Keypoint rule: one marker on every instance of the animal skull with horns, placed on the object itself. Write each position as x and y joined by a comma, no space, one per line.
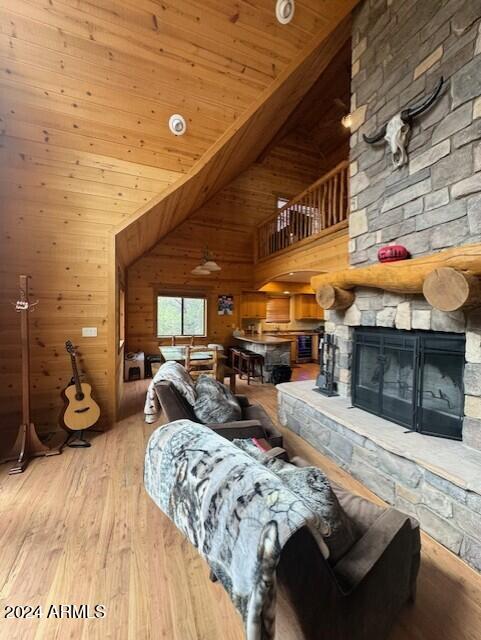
396,131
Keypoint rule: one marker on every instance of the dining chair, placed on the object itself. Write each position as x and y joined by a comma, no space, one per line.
207,366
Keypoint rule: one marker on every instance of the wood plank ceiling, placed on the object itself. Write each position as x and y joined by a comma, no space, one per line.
86,90
316,121
226,222
111,73
242,141
311,142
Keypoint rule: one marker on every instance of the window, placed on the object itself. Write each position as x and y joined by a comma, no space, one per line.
181,316
283,218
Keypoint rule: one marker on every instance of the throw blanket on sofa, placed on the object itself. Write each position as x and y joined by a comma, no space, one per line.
312,484
179,377
234,510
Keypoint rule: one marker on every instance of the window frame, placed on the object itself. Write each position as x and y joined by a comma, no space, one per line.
282,197
183,295
282,223
121,310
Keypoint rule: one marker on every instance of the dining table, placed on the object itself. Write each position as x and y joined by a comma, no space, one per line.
177,354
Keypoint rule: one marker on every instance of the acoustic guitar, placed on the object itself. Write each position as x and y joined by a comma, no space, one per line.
80,411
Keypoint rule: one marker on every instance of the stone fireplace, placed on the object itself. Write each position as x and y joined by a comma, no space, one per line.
456,376
405,370
414,379
386,440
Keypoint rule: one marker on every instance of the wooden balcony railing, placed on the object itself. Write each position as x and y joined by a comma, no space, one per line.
322,205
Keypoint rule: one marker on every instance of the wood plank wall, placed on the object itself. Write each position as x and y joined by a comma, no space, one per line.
226,224
325,253
86,92
167,268
66,250
86,89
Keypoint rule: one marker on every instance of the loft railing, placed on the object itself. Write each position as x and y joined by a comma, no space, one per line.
322,205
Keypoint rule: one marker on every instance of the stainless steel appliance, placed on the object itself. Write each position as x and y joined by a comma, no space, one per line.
304,349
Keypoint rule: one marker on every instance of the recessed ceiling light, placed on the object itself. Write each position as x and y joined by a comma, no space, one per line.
177,124
285,10
286,292
291,273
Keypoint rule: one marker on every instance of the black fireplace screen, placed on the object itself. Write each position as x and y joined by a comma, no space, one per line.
414,378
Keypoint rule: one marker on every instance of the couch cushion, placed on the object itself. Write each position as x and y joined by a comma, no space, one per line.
256,412
174,404
215,404
362,512
313,488
181,379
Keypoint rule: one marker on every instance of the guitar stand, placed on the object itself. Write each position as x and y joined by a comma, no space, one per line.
75,441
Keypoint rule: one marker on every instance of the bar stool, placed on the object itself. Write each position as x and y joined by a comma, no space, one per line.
251,364
235,353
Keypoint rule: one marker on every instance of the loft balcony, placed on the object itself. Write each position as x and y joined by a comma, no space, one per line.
319,210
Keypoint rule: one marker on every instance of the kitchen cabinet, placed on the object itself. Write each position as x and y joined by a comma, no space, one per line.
278,309
306,307
254,305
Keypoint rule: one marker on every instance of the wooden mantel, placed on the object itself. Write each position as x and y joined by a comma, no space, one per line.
449,280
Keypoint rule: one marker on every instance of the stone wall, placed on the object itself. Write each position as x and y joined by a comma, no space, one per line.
273,354
400,49
446,511
374,308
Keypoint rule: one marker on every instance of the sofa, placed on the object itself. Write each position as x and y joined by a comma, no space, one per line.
350,587
360,596
255,422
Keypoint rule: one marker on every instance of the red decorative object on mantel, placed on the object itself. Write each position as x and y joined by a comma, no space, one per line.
393,252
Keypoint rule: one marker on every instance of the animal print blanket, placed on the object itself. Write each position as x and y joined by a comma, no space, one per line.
234,510
180,378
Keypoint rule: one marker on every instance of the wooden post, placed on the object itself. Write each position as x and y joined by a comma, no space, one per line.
27,445
323,200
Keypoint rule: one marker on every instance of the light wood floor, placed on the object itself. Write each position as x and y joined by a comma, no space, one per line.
79,528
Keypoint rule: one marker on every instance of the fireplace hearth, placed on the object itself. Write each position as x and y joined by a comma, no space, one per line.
413,378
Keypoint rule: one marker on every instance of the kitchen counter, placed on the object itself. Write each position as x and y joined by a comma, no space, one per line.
275,351
263,339
299,352
293,333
